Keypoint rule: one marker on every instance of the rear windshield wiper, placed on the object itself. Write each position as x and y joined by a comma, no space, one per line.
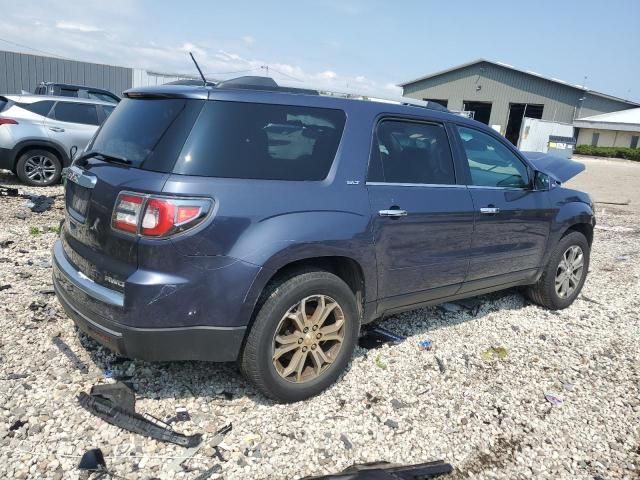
103,156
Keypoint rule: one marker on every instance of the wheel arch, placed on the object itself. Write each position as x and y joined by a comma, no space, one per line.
37,144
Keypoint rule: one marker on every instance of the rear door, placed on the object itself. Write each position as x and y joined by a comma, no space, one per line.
72,124
422,219
512,221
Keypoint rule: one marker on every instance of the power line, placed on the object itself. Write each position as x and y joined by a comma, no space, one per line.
286,75
229,73
32,48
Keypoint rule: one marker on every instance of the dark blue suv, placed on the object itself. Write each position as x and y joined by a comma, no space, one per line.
266,225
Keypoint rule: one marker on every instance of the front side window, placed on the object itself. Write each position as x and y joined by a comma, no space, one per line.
262,141
76,113
491,163
411,152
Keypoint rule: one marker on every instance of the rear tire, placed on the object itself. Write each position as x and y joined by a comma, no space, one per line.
563,277
278,341
39,168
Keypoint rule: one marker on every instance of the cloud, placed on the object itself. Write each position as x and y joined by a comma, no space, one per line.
190,47
249,40
78,27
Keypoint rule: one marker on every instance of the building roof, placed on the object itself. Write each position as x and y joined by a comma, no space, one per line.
526,72
627,120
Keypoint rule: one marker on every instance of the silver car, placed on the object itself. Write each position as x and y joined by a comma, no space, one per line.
38,132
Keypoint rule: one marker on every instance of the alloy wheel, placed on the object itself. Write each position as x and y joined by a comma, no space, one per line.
308,338
569,271
40,169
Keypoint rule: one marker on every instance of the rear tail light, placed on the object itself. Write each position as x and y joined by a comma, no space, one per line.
8,121
153,216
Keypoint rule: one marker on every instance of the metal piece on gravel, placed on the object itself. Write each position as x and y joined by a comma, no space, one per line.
389,471
374,337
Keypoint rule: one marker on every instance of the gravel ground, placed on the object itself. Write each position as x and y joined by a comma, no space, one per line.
476,400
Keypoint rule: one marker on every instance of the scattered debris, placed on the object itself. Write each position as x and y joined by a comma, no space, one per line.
18,424
210,471
388,471
8,192
450,307
73,358
115,404
347,443
494,352
5,243
5,287
590,300
15,376
374,337
39,203
93,461
553,399
47,291
391,423
425,345
441,364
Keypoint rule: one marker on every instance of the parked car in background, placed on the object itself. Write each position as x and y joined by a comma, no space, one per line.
78,91
37,133
267,225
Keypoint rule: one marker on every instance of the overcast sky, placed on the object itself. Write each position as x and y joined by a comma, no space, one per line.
368,45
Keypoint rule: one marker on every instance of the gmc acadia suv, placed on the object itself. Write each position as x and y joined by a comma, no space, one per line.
266,225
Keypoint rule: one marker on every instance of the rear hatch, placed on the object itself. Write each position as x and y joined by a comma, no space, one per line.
133,151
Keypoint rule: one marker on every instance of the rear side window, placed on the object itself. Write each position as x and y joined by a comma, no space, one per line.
76,113
411,152
137,126
101,96
41,108
68,92
262,141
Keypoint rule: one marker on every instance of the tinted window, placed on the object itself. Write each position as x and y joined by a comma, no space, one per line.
76,113
40,108
107,111
101,96
261,141
408,152
68,92
136,126
491,163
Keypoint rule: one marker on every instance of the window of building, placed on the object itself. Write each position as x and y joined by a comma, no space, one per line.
634,141
594,139
491,163
411,152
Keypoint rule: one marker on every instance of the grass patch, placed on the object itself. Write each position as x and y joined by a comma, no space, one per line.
34,231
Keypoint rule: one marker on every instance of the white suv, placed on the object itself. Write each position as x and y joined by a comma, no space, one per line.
38,132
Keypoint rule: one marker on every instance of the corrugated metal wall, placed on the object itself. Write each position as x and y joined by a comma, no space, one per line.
21,71
145,78
595,104
501,86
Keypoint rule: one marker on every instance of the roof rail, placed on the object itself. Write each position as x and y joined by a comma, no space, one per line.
252,82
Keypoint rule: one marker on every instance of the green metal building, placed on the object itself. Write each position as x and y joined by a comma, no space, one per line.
501,95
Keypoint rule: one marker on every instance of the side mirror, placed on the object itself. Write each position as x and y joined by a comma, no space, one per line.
541,182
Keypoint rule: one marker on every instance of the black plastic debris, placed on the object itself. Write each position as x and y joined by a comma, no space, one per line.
388,471
73,358
17,425
374,337
93,461
5,287
39,203
6,243
8,192
115,404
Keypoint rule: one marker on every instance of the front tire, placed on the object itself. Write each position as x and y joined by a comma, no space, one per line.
564,275
303,336
39,168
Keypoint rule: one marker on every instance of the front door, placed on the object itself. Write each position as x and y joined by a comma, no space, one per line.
512,221
422,220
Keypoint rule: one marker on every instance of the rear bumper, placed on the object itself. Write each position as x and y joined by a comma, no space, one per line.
74,291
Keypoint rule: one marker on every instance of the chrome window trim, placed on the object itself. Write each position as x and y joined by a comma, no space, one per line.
476,187
430,185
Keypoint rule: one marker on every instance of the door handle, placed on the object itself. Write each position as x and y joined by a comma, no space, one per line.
56,129
393,213
489,210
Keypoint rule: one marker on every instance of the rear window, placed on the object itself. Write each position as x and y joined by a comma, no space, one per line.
137,126
41,108
262,141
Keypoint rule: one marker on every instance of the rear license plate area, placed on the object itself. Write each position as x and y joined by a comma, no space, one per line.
78,201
